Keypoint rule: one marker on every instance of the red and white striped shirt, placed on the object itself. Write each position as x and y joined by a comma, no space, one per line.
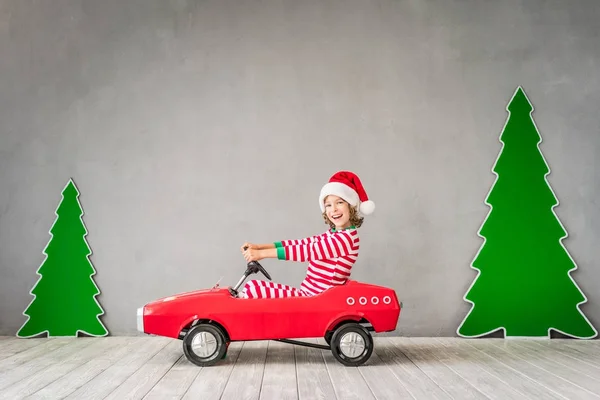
330,257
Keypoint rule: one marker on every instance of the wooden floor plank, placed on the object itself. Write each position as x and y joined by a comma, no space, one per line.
279,379
520,382
416,382
590,347
348,382
137,385
551,366
37,349
459,358
13,345
211,381
176,382
593,345
563,387
584,355
590,370
400,368
588,350
428,361
118,347
313,377
380,378
46,370
108,380
246,378
15,369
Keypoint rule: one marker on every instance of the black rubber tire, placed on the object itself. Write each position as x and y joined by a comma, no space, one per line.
211,359
328,337
336,340
225,352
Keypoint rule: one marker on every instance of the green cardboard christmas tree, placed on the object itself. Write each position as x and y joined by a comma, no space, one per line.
524,284
64,302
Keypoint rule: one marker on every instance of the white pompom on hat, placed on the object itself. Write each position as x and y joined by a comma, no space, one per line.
347,185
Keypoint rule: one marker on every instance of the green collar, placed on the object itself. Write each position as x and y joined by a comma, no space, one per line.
345,229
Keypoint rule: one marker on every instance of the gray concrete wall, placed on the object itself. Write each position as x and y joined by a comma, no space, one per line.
192,126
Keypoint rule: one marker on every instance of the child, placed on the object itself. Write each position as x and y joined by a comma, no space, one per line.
330,255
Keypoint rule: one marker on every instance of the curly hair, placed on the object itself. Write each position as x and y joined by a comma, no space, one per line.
355,219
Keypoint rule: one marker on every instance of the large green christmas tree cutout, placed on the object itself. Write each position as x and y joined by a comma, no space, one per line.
64,302
524,284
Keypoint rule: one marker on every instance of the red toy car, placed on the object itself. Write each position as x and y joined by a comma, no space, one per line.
208,320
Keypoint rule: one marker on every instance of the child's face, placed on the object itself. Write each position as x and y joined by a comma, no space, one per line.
338,211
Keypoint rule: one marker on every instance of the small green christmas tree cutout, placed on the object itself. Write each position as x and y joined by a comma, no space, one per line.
524,285
64,302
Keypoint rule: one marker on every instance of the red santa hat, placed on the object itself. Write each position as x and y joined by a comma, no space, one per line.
346,185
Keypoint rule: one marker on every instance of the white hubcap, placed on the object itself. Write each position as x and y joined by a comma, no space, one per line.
204,344
352,345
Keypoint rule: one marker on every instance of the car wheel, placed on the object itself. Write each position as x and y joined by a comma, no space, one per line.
352,344
204,345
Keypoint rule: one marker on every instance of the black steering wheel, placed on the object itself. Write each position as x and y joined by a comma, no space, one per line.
254,267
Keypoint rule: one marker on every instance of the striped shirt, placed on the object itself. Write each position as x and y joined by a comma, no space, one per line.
330,257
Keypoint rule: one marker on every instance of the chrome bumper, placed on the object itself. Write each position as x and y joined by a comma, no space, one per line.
140,319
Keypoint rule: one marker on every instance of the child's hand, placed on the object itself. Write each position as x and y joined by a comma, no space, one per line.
250,246
252,255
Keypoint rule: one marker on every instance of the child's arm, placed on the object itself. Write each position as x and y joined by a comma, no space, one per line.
295,242
339,245
257,246
282,243
255,252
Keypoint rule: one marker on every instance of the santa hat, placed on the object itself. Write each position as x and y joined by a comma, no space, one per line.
346,185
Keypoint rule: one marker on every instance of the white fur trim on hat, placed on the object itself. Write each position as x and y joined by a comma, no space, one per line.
340,190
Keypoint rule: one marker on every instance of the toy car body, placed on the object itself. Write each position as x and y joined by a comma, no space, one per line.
208,320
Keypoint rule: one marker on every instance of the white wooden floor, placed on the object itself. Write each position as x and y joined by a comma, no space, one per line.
400,368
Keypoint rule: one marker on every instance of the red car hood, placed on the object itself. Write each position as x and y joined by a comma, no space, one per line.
186,296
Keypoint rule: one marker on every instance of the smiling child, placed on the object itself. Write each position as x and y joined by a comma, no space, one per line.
330,255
